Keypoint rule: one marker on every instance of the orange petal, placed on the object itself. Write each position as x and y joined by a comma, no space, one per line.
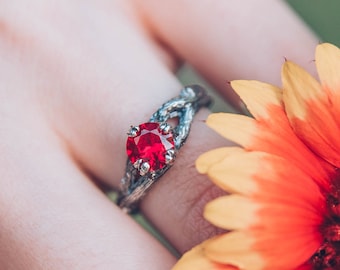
258,96
286,251
195,259
311,113
291,211
273,135
267,180
279,180
284,213
260,248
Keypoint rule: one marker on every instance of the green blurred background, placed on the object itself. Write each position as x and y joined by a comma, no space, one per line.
322,16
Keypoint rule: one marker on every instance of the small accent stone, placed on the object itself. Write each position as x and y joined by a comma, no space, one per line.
150,145
144,168
170,156
133,131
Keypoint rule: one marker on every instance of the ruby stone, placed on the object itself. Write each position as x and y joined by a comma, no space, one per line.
150,145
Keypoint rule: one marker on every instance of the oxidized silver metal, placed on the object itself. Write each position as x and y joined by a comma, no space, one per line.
136,181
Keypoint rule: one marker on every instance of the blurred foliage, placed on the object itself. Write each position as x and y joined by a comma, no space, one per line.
322,16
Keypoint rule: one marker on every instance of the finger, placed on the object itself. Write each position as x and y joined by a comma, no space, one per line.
96,75
53,217
182,192
100,92
92,81
227,40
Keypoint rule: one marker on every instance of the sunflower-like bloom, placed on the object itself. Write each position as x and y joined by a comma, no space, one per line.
283,180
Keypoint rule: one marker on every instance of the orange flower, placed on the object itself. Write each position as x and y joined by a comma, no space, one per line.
283,211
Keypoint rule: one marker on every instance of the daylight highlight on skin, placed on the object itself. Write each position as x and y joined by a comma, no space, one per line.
282,210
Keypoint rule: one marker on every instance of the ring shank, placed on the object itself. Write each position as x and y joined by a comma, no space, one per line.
183,107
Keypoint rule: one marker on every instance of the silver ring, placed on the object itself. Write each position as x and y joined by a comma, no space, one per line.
153,146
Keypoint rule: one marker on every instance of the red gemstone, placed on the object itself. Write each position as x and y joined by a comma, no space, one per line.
150,145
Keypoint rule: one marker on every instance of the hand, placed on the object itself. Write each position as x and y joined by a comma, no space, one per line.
74,75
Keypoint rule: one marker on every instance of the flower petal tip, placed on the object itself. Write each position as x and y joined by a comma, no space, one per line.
196,259
327,59
231,212
258,96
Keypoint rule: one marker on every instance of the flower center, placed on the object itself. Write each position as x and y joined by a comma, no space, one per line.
328,255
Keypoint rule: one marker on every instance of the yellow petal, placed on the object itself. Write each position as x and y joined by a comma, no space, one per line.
234,248
210,158
327,59
232,175
258,96
313,112
195,259
232,212
237,128
299,88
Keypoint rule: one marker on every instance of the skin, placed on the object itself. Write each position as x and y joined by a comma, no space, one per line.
74,75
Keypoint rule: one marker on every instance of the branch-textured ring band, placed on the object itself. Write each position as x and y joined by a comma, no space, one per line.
152,147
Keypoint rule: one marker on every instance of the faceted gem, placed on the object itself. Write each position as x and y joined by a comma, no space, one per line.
149,143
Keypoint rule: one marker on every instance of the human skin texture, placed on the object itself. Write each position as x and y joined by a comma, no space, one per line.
74,75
